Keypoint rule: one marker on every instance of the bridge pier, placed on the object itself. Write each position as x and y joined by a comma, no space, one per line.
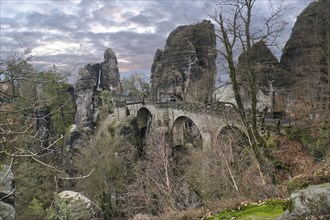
120,113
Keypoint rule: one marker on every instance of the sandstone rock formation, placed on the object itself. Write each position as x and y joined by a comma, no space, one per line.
262,61
84,92
7,210
310,203
106,74
305,59
186,68
94,78
264,64
91,81
299,83
73,205
43,124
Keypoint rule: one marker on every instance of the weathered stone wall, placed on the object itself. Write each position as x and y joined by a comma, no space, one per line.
209,119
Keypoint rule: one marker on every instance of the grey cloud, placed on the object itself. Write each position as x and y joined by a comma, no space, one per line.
76,27
165,27
12,23
56,20
27,39
141,19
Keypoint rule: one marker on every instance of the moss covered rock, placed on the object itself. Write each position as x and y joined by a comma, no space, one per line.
303,180
309,203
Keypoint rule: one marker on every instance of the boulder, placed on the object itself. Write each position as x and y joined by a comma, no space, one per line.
186,68
310,203
7,210
73,205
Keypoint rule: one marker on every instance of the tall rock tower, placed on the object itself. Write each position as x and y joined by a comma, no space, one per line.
106,73
306,61
186,67
92,79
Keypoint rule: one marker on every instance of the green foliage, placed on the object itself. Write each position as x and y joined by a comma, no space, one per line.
264,211
36,209
315,139
53,92
272,142
34,189
59,210
112,154
105,104
136,86
27,91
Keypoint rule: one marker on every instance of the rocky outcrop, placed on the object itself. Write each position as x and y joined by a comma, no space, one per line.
94,78
305,59
73,205
106,74
261,62
310,203
186,68
84,96
7,210
77,137
110,72
88,98
300,81
43,124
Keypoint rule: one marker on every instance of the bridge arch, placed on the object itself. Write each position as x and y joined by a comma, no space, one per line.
234,145
144,121
128,112
185,132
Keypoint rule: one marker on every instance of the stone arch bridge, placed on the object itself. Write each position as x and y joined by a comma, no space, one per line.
206,120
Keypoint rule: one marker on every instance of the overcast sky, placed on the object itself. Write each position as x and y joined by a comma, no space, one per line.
71,32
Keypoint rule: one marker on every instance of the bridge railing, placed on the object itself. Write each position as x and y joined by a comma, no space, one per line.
124,100
196,107
212,109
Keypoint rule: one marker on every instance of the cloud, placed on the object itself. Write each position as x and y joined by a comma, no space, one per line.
69,33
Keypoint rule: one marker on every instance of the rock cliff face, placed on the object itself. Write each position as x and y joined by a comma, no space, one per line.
305,58
43,124
264,64
92,79
106,74
262,61
300,80
186,68
7,210
84,92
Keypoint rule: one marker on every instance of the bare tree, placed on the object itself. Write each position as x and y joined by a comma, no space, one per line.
36,110
135,85
238,31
